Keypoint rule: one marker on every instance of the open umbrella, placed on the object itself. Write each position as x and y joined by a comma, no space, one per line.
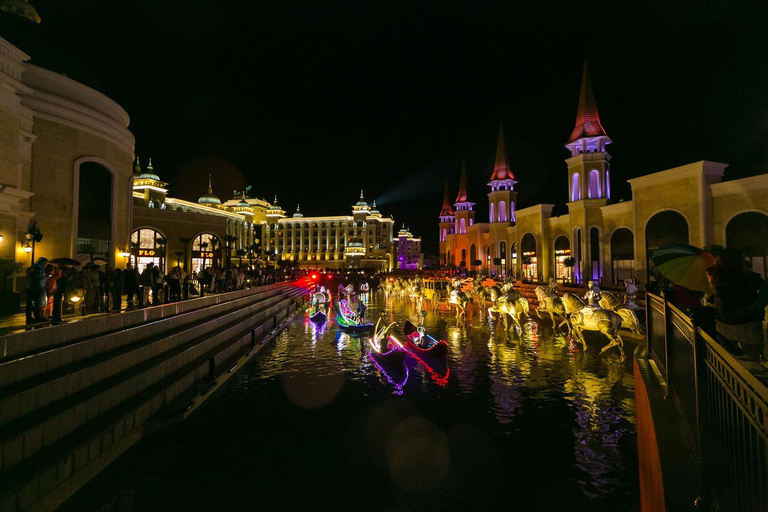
684,265
65,262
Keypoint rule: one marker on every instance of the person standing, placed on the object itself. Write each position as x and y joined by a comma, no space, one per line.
116,282
174,283
146,282
157,286
92,287
52,275
36,298
130,283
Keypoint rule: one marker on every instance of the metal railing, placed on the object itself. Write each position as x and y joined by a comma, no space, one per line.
723,404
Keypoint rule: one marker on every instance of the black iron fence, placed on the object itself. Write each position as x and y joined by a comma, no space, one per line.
723,403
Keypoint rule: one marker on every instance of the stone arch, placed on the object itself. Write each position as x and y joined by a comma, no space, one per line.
593,187
665,227
622,254
472,255
562,251
748,231
528,249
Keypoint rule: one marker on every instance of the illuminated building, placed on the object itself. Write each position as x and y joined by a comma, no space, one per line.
360,240
609,241
407,249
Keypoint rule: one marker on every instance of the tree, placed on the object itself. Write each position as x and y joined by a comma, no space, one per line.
477,263
8,268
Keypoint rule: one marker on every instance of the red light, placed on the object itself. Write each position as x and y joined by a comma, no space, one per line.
314,277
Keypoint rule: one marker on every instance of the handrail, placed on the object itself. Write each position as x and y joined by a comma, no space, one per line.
722,400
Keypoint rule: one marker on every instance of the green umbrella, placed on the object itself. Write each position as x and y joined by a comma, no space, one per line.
684,265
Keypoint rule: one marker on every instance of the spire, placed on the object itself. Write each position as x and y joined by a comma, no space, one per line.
298,212
137,166
210,189
149,165
210,197
501,169
462,197
587,118
447,210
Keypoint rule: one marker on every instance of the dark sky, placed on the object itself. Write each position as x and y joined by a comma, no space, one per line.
317,99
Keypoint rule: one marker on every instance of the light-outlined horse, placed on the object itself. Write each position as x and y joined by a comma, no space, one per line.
506,301
583,318
459,298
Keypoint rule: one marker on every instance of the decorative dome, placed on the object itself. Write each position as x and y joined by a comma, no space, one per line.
209,198
298,212
243,203
275,206
373,208
149,174
361,202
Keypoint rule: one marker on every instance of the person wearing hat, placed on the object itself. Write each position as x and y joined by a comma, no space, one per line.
593,294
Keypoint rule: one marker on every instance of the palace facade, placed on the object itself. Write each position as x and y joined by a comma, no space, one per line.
607,241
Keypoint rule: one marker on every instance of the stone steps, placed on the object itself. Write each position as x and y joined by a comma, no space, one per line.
45,452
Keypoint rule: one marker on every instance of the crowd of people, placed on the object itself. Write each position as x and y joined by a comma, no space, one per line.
98,288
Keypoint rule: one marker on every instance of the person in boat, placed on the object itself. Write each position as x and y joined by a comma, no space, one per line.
423,341
360,311
592,295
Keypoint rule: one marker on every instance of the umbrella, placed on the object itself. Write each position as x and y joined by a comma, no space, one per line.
684,265
65,261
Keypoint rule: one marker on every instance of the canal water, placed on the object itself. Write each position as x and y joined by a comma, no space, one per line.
516,422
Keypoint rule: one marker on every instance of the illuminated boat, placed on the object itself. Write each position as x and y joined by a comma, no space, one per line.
320,302
346,319
395,353
412,336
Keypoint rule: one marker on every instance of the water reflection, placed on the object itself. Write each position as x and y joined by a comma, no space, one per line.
524,420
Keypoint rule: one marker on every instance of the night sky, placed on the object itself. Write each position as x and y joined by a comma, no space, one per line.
315,100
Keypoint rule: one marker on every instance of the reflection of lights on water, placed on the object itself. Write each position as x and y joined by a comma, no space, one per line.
397,384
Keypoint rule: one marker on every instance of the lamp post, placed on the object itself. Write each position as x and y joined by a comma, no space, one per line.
33,235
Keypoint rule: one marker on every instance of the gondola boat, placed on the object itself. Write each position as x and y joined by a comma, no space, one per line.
320,303
345,319
435,349
395,353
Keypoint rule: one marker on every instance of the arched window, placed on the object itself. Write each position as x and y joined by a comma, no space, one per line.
206,249
529,257
462,226
502,211
503,256
94,210
622,254
463,258
575,189
562,252
607,185
472,255
749,232
664,228
594,254
594,184
445,232
493,219
147,245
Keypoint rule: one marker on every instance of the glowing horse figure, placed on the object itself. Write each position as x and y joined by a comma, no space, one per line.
551,304
628,316
507,301
582,317
458,298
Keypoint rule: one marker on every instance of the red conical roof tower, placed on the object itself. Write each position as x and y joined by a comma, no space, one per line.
462,197
447,210
501,170
587,118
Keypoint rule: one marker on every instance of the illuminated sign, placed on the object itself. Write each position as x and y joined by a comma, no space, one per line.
202,254
147,252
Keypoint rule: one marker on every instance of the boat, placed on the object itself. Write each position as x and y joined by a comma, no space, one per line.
320,302
412,336
395,353
346,319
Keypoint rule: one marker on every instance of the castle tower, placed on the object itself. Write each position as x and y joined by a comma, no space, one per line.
589,164
447,219
589,184
465,215
502,197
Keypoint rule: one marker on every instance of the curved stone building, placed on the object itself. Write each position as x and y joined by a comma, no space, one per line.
65,163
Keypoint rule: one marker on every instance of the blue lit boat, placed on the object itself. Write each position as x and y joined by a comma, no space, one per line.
345,319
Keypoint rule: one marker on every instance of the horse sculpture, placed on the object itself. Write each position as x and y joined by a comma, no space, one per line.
459,298
507,302
551,304
582,317
628,316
